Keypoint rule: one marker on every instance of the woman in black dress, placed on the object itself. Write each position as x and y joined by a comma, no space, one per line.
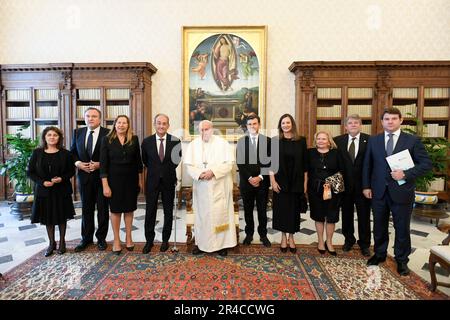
51,167
120,170
324,160
288,181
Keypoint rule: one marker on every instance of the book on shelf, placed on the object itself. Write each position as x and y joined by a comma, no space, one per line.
435,112
329,111
366,128
434,130
18,112
46,94
436,93
407,110
13,129
363,110
408,126
437,184
117,94
89,94
18,95
404,93
47,112
360,93
82,109
333,129
329,93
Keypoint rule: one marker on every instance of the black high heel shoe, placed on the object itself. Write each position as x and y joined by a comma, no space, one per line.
292,249
50,249
333,253
283,249
130,248
62,248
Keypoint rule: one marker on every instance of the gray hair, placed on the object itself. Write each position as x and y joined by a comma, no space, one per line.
354,116
161,115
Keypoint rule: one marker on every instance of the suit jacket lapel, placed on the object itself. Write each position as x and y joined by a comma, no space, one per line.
400,145
82,141
361,146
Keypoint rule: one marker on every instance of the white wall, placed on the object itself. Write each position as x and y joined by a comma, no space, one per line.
43,31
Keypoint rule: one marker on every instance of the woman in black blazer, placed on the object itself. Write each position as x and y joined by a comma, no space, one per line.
288,181
120,170
51,167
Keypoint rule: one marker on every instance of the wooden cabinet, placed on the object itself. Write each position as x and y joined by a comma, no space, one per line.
40,95
326,92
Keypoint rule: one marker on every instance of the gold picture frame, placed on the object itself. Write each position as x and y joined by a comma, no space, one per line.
224,77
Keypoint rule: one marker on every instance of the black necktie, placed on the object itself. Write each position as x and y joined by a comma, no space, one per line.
161,150
90,143
390,144
351,149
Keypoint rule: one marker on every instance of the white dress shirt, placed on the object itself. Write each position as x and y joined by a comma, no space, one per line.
158,142
395,137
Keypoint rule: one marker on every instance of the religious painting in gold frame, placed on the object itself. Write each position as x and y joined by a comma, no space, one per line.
224,77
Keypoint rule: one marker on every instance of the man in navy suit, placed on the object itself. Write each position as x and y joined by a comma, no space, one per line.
253,180
161,154
86,152
353,147
388,195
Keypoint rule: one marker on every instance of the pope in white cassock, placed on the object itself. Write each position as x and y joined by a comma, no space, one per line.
209,160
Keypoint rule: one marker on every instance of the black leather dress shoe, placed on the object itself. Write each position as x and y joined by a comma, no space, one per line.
248,240
375,260
365,252
49,250
333,253
265,241
147,248
196,251
82,246
402,268
347,247
101,245
164,246
223,252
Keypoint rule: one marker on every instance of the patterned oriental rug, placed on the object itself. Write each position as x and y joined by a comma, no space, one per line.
247,273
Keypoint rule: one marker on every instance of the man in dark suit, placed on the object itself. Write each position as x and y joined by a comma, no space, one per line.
86,152
253,181
353,147
392,190
161,154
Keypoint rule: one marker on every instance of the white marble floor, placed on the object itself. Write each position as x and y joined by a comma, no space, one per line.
19,240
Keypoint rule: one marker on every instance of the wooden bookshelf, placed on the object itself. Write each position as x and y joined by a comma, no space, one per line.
57,94
367,87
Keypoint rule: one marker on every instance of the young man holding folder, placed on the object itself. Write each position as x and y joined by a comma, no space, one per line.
381,185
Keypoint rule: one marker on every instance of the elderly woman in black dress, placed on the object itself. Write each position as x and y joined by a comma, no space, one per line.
51,167
288,181
120,170
324,160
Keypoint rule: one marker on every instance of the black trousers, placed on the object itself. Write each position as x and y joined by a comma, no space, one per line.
401,215
92,195
168,196
259,194
362,204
